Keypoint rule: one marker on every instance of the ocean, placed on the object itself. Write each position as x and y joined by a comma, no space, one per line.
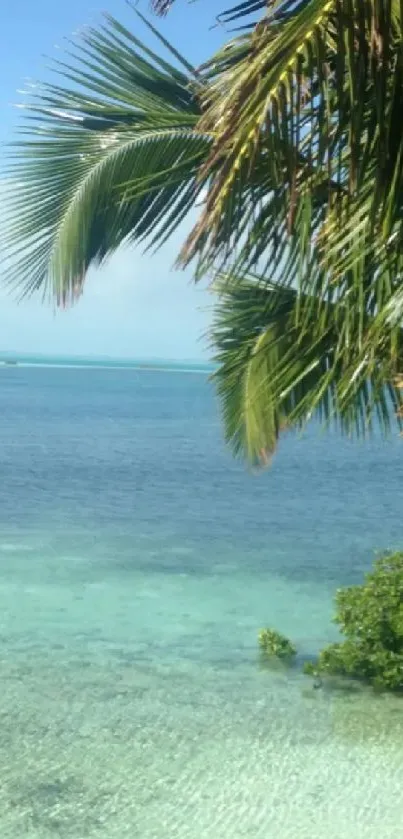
138,561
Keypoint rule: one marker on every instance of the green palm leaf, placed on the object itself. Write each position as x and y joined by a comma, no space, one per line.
110,158
317,91
306,169
271,375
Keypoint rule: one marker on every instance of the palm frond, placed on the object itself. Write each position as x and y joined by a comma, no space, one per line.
107,155
245,9
272,375
306,168
310,87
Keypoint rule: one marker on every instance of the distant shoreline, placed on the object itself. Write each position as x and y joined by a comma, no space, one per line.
87,365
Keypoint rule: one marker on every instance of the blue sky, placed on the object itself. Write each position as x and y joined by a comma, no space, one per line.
136,305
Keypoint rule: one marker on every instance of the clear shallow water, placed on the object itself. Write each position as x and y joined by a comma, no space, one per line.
137,562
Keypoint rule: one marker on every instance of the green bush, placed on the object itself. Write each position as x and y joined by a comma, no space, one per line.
275,645
370,616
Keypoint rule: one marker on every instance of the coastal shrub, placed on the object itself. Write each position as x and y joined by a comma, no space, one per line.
276,645
370,616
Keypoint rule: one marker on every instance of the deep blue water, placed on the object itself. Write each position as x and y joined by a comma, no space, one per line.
137,562
134,452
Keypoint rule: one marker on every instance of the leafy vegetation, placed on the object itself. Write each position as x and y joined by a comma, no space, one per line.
275,645
370,616
289,143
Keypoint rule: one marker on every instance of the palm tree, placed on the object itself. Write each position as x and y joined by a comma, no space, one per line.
295,131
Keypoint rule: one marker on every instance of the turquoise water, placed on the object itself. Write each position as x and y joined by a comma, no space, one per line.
137,563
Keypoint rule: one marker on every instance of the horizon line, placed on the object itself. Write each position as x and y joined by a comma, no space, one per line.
15,355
